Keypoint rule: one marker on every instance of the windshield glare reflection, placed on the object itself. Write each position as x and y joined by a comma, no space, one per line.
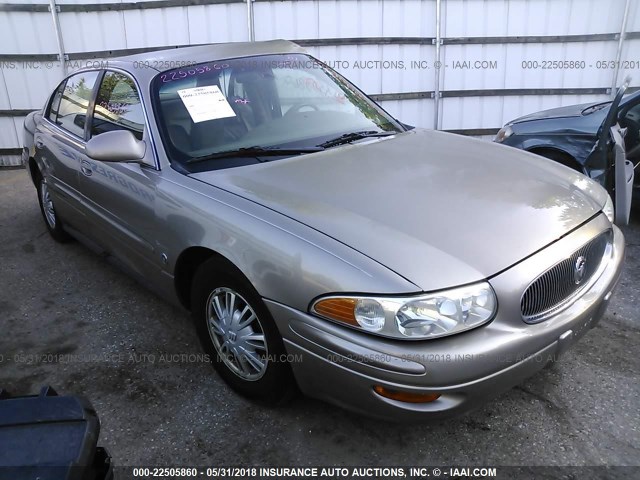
291,101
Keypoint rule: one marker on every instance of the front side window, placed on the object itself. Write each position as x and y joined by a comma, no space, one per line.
72,109
270,101
118,106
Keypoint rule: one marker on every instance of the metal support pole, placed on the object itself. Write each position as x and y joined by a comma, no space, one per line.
437,64
250,26
56,25
623,33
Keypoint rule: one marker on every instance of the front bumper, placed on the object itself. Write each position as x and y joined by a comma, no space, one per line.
342,365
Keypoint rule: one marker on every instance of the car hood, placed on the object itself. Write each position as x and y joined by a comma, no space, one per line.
562,112
438,209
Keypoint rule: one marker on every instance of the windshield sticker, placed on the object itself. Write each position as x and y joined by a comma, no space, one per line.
206,103
180,74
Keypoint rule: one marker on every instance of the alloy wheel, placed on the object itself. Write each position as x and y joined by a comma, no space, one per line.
47,205
237,334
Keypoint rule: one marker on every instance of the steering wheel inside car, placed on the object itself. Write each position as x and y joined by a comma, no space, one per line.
297,107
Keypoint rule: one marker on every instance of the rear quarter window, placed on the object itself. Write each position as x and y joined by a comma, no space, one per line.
54,103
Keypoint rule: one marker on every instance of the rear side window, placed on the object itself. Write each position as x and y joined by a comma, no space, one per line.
118,106
72,109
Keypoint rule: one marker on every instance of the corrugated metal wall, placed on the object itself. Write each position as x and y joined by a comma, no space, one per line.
387,47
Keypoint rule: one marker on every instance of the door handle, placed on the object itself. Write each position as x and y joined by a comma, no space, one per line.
85,167
39,143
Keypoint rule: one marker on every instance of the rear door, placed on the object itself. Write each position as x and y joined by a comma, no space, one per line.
120,195
60,141
607,163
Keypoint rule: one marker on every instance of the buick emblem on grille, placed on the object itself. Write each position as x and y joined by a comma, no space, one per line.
579,269
560,285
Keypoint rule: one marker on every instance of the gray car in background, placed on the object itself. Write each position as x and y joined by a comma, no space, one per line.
601,140
319,244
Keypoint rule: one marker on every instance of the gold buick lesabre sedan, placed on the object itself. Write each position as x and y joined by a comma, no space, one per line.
321,244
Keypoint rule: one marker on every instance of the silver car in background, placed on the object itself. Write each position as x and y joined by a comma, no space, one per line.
319,243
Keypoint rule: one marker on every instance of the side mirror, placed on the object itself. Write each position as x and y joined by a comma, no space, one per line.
116,146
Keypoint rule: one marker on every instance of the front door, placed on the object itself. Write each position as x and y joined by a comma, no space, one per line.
120,195
607,162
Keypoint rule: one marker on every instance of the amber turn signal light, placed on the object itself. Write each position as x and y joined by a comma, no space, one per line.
408,397
340,309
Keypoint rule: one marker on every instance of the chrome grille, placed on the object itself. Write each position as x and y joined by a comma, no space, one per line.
556,287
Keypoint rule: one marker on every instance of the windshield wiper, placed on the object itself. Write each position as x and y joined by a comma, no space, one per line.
255,152
351,137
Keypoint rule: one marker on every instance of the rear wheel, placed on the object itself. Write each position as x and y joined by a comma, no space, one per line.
237,331
51,219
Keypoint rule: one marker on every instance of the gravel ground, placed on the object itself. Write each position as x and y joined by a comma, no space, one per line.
57,299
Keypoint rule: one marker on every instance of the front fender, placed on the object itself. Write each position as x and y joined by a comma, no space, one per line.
577,146
283,259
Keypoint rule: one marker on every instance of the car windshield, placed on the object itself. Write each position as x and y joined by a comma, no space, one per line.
288,102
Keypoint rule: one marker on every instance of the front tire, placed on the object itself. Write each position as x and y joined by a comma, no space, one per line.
51,219
237,331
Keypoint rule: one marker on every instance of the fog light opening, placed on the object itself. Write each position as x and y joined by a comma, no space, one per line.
407,397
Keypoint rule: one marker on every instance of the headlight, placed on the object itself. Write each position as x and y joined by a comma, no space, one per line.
504,133
608,209
416,317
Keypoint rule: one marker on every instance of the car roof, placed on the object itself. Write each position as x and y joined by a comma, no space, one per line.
176,57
